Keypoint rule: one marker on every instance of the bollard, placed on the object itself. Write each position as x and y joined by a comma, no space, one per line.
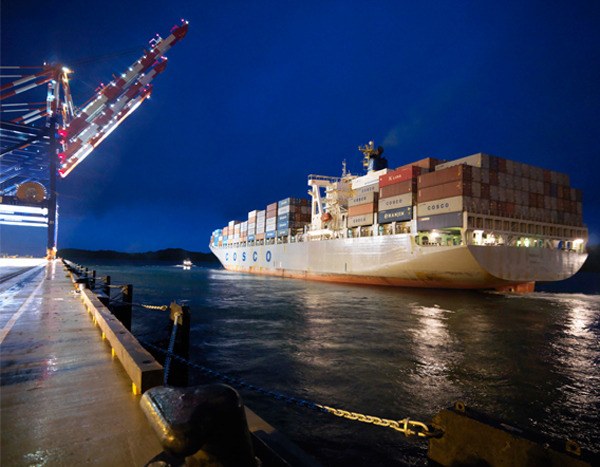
205,424
122,311
178,372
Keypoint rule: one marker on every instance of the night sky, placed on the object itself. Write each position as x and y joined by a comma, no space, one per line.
261,94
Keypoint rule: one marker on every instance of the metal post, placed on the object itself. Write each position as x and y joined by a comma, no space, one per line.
178,373
52,203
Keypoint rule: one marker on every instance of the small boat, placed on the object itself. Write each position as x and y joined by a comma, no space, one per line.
187,264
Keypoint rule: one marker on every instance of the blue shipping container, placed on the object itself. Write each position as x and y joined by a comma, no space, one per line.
395,215
440,221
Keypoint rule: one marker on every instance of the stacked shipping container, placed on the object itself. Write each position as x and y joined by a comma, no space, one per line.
500,187
363,206
271,221
479,183
397,193
293,214
252,225
260,224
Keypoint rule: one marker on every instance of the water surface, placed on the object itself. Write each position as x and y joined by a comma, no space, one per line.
532,360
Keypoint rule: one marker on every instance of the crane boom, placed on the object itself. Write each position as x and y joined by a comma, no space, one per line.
114,102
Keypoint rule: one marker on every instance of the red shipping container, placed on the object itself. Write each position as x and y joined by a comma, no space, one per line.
427,163
501,165
439,177
399,175
547,176
408,186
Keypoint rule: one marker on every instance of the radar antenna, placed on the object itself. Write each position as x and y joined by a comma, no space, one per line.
372,157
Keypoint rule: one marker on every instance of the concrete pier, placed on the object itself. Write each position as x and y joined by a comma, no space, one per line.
64,399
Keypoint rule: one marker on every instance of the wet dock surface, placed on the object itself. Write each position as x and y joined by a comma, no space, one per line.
64,400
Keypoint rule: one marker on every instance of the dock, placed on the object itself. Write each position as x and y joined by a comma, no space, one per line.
64,399
72,378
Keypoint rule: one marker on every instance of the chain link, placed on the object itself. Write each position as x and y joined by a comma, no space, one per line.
153,307
403,426
115,301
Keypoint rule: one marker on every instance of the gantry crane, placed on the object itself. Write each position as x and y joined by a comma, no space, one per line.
68,135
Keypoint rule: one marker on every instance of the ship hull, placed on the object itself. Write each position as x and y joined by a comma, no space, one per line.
395,260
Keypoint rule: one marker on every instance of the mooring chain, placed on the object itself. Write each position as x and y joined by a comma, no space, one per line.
141,305
403,426
406,426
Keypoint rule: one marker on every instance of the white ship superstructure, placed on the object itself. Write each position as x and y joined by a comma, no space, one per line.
479,222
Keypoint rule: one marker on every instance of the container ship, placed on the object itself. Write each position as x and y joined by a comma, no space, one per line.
477,222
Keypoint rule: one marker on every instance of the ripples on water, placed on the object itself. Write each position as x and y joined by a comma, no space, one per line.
532,360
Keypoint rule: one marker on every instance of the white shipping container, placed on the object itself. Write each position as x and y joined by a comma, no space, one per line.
271,223
480,160
252,214
394,202
370,179
244,227
364,198
284,209
357,221
367,189
440,206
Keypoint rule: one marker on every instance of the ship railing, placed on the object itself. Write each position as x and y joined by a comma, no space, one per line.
323,178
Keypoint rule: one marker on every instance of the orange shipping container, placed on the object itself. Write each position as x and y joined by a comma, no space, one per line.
440,177
361,209
428,163
408,186
447,190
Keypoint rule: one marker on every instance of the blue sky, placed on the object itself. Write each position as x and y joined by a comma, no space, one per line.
260,94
